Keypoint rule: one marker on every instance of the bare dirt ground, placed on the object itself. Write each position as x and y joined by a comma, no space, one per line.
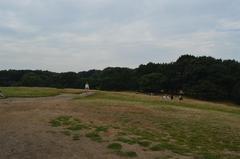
25,132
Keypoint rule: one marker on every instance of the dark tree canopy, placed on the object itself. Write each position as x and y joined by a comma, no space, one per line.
153,82
200,77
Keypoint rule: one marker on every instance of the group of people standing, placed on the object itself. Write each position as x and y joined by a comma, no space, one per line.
171,97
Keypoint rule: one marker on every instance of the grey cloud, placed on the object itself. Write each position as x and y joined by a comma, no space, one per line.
74,35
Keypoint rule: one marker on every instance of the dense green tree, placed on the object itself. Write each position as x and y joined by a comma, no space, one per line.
118,79
153,82
236,93
68,80
206,90
31,79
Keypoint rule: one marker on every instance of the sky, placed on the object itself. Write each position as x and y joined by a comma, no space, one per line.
77,35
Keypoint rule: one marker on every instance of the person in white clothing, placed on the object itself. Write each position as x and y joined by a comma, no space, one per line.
87,86
1,94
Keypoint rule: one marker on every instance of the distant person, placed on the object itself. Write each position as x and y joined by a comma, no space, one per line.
87,87
172,97
180,97
181,93
164,97
1,94
168,97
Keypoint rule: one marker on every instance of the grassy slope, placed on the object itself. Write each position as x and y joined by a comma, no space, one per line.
34,91
195,128
132,98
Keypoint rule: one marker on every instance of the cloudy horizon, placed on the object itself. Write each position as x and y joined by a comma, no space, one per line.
77,35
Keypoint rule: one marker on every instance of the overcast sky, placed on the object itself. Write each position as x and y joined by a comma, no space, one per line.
76,35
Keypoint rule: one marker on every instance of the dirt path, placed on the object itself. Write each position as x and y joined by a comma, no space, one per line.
25,132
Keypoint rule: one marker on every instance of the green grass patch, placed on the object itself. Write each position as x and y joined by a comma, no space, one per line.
174,148
69,123
132,141
144,143
55,123
71,126
208,155
115,146
61,121
121,133
101,128
29,91
94,136
77,126
65,120
143,134
126,140
157,147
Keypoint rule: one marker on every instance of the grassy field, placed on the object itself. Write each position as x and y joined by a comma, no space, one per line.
35,91
131,125
188,128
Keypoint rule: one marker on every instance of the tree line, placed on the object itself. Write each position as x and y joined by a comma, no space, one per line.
199,77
